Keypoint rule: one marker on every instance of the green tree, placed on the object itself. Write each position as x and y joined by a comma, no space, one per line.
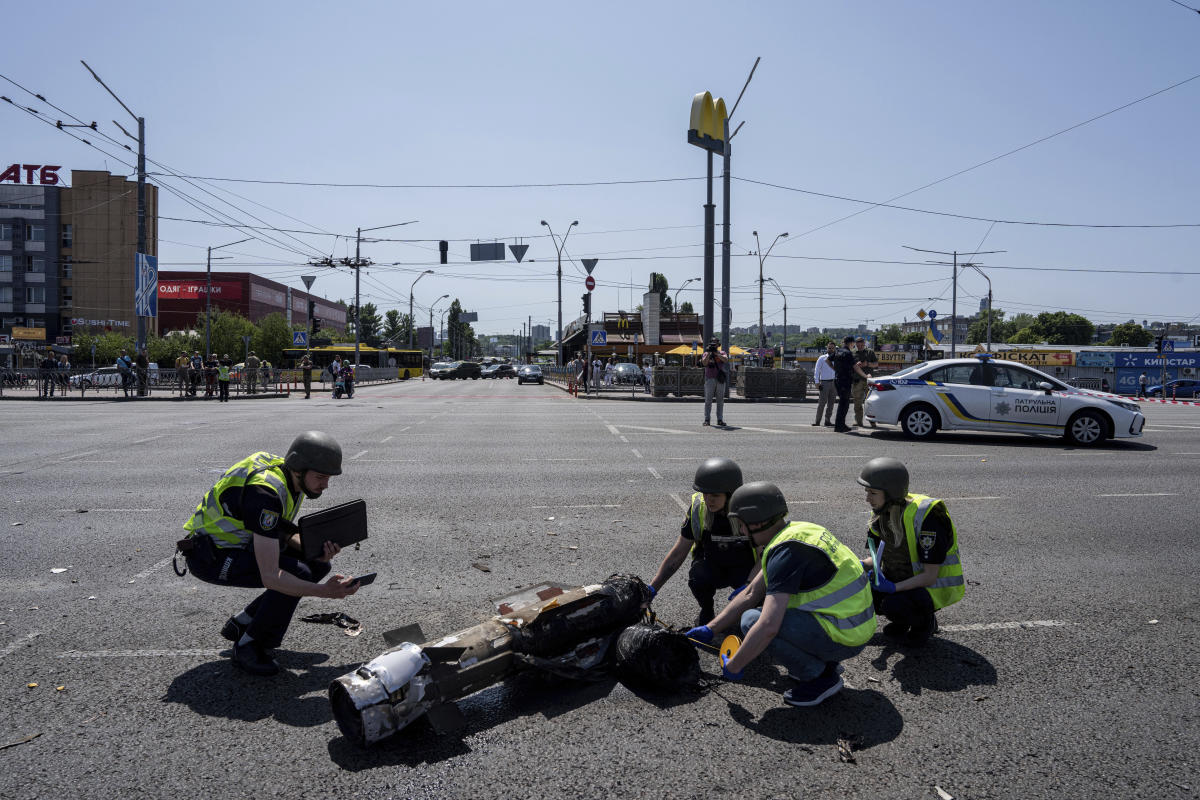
271,336
913,337
228,328
396,327
1001,329
108,346
1026,335
658,283
889,335
1059,327
163,350
461,342
1130,333
821,340
686,307
371,325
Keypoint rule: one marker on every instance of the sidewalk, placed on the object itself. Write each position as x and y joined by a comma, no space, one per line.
628,392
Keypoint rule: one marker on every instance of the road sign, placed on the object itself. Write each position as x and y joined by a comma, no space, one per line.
599,338
589,264
518,251
1168,346
300,338
590,283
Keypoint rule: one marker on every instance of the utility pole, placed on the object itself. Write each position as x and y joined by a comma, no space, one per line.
141,188
954,276
783,352
208,297
410,306
762,257
308,306
559,247
357,265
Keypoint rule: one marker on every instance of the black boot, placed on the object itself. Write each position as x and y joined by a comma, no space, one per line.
254,658
922,631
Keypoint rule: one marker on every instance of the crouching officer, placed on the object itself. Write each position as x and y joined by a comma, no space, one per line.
816,605
239,533
914,548
720,558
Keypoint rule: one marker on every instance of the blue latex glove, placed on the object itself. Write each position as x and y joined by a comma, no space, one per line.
866,569
884,585
701,634
725,673
737,590
653,591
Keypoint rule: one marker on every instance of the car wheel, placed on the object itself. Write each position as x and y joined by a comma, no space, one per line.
474,377
919,422
1087,428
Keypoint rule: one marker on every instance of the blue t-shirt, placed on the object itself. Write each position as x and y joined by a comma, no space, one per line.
794,567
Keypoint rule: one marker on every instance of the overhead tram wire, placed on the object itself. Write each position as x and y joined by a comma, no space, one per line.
1002,155
562,184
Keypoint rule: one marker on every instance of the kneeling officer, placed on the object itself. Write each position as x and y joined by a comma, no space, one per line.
240,536
817,608
918,571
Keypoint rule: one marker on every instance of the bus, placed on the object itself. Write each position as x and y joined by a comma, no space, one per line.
389,361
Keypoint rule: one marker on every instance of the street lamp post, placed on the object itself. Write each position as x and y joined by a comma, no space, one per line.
559,247
675,304
410,306
208,297
431,337
954,280
783,353
762,257
989,299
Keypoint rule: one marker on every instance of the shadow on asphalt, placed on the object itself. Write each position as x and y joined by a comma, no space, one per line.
863,716
939,666
523,695
1000,440
219,689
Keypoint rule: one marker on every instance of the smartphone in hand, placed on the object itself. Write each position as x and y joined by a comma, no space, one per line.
363,580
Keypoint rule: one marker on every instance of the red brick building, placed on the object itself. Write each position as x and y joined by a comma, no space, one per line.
181,297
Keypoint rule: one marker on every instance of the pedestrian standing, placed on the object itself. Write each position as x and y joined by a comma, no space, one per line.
195,373
1142,381
224,370
252,366
306,371
715,363
211,368
823,376
181,372
843,379
125,368
46,374
865,362
143,373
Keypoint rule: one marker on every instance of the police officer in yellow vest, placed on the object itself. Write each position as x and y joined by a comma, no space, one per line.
243,534
720,558
816,604
919,570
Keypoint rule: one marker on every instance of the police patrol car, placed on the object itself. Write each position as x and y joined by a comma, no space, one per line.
983,394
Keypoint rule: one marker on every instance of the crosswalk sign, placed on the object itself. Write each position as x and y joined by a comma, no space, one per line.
599,338
300,338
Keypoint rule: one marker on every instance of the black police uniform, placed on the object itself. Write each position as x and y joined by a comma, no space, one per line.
722,560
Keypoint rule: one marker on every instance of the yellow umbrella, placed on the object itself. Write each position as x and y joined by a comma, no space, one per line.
683,350
734,350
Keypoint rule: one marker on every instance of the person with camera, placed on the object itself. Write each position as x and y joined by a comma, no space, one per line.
243,534
720,559
716,371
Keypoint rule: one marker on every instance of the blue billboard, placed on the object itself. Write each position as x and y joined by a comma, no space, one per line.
1086,359
145,285
1153,361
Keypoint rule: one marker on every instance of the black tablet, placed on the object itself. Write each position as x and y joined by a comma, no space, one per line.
344,524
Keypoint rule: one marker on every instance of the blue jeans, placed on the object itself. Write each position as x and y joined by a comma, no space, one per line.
801,645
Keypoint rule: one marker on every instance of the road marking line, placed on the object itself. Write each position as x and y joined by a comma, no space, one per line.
984,497
623,439
602,505
12,648
146,572
118,510
150,439
388,461
654,472
357,456
1142,494
679,501
388,439
79,455
660,430
90,461
612,430
635,452
1005,626
555,459
962,455
760,430
406,427
138,653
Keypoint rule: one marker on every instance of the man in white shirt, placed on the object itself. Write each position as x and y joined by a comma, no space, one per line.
823,378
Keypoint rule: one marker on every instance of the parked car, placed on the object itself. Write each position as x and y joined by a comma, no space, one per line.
441,369
499,371
628,373
530,373
983,394
105,376
1184,388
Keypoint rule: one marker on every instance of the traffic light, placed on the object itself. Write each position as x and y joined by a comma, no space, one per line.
587,305
444,248
316,324
312,308
1158,340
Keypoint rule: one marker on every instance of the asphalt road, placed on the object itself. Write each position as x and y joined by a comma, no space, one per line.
1069,670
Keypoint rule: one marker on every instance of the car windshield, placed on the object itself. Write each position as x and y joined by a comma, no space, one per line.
905,371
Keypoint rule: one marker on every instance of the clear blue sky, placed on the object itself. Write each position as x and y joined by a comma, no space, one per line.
866,100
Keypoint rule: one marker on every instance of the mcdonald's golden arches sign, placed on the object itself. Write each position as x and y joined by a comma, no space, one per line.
707,127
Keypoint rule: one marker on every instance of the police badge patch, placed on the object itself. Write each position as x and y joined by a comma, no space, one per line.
268,519
926,540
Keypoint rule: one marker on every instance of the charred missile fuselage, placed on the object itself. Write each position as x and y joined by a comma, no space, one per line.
567,631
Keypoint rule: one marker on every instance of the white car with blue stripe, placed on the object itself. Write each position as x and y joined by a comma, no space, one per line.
986,394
